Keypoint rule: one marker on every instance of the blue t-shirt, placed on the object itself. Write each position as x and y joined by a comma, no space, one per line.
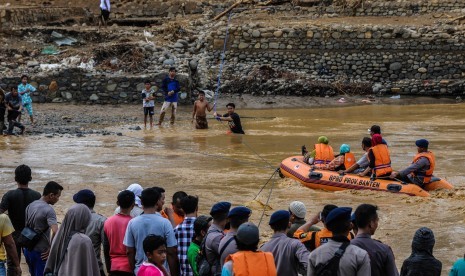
171,85
144,225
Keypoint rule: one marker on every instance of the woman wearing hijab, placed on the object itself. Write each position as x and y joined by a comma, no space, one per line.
379,157
72,253
137,210
421,261
321,155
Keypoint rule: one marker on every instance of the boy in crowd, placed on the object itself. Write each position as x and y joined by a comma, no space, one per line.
148,103
201,225
155,250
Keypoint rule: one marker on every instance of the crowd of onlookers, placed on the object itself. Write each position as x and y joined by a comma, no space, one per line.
144,237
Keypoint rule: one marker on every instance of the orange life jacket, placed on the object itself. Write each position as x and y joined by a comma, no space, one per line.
313,240
250,263
323,155
382,160
429,173
349,160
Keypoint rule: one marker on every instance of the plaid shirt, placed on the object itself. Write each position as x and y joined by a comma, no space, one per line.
184,233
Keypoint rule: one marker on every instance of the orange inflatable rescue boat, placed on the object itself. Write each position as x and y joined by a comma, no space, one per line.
295,168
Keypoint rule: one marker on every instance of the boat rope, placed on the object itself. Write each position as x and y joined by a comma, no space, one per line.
223,56
263,187
268,199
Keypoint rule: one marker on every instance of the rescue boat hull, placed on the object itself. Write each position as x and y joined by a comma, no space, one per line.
294,167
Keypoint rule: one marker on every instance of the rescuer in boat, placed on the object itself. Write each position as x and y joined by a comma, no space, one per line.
422,167
363,162
344,160
321,155
380,160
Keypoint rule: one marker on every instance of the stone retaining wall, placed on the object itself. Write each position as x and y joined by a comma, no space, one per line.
373,54
77,86
37,15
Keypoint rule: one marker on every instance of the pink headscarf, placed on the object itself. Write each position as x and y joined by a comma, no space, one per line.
376,139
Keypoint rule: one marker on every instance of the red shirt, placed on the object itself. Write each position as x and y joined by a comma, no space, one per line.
115,229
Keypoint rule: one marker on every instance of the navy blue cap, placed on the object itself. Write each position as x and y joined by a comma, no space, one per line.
279,215
220,207
83,196
422,143
240,211
340,213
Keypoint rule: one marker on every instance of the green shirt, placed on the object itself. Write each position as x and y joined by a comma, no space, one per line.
192,253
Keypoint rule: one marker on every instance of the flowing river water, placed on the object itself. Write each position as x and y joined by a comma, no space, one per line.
219,167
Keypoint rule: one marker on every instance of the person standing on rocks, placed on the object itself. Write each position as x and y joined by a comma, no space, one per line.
199,114
2,110
148,102
104,12
170,87
25,89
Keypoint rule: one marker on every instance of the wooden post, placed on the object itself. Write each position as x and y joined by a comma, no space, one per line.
228,10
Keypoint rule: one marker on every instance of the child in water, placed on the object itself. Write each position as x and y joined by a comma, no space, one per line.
155,250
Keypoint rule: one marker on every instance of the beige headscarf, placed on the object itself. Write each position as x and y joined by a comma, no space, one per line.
70,242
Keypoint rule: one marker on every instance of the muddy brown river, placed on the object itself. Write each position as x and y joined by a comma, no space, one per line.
217,167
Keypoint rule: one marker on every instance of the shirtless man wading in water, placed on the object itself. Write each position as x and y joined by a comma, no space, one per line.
199,113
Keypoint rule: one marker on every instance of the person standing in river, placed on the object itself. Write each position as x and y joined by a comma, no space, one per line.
170,87
199,114
233,119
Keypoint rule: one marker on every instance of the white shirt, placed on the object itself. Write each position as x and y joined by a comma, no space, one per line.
103,6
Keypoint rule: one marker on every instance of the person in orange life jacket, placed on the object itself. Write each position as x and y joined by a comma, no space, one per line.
321,155
380,160
422,167
248,261
363,162
343,160
314,239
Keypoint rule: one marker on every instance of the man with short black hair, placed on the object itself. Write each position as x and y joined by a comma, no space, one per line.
375,129
184,232
363,162
237,216
95,228
290,255
170,87
215,233
420,172
41,218
233,119
382,260
175,214
150,222
116,260
15,202
352,260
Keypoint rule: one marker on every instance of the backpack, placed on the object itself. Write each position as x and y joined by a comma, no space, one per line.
204,267
331,267
202,263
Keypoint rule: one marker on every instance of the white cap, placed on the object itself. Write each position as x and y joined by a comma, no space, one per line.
298,209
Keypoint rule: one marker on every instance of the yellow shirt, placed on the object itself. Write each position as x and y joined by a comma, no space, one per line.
6,228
